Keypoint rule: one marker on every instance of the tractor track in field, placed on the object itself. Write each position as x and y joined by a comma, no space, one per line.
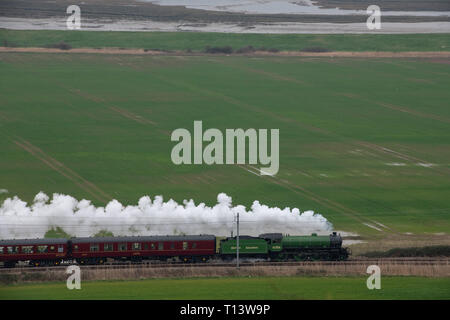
123,112
57,166
397,108
352,262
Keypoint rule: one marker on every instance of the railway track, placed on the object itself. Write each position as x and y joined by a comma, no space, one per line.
391,261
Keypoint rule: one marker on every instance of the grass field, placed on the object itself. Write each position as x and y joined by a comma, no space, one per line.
197,41
238,288
361,140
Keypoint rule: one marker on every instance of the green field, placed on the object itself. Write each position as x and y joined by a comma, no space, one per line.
238,288
361,140
197,41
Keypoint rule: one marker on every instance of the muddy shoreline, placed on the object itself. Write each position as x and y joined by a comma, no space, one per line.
133,10
134,15
266,28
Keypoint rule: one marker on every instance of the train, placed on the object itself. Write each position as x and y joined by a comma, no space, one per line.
181,248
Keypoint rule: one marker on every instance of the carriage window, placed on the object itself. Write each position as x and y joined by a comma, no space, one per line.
185,245
152,246
136,246
60,249
42,249
13,250
75,247
172,245
160,246
145,246
27,249
1,250
94,247
52,248
122,247
108,247
194,245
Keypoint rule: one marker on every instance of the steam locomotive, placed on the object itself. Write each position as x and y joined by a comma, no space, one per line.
189,248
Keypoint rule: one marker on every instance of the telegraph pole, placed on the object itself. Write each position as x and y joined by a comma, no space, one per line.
237,241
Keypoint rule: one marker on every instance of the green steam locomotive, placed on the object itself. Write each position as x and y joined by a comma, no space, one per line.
276,247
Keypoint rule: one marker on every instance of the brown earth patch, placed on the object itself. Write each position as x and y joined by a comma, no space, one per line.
391,240
347,54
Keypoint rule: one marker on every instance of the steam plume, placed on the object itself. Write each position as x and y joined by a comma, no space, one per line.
149,217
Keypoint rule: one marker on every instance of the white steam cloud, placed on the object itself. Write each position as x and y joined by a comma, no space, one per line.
149,217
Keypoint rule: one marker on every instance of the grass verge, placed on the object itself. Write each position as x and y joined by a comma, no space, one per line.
238,288
199,41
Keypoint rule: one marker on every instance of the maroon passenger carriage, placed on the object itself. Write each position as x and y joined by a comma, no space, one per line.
36,251
191,248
